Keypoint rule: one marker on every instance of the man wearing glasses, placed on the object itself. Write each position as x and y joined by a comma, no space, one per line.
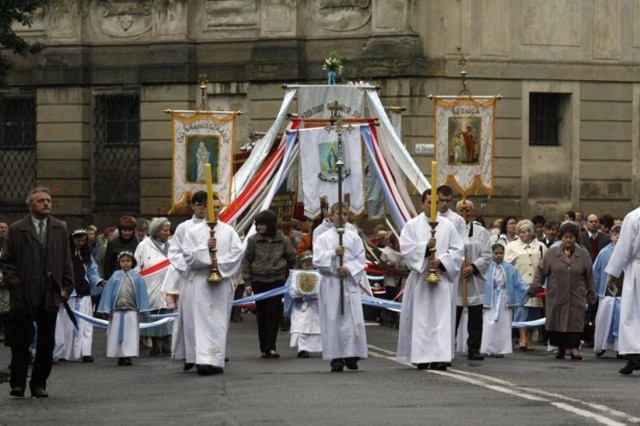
445,200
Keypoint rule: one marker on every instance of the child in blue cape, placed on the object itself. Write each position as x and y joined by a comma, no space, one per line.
123,299
504,289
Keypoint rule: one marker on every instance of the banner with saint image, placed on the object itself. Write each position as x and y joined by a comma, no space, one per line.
464,142
201,137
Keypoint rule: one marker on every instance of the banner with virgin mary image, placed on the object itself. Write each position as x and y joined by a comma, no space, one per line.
464,142
319,155
201,137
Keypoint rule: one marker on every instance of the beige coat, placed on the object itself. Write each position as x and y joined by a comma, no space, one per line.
569,287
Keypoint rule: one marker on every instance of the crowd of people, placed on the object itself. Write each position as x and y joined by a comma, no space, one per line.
463,288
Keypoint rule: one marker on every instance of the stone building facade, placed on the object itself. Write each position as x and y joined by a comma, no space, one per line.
89,108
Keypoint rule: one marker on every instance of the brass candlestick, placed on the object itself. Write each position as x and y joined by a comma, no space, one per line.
432,277
214,274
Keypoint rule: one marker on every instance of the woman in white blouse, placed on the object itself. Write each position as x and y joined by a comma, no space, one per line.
524,254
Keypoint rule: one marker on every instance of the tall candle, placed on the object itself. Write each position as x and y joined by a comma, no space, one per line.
434,191
210,210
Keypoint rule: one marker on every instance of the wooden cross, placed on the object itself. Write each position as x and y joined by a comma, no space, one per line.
335,107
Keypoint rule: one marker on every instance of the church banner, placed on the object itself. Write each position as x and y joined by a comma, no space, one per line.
318,156
464,142
201,137
313,101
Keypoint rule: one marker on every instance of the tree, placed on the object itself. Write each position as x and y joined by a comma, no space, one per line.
15,11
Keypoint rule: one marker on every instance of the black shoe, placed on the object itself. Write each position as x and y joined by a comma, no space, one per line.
87,358
561,353
120,361
337,365
352,365
423,366
17,392
440,366
475,357
303,354
600,353
629,368
208,370
39,393
127,361
188,366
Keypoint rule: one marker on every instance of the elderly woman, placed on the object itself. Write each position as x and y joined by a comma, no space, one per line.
525,253
153,264
569,274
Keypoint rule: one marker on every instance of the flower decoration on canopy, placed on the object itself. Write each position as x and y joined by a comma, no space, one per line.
333,66
333,63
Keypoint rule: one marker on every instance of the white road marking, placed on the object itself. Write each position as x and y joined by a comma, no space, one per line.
596,412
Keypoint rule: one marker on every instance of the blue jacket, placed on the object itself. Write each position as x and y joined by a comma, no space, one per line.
599,275
110,292
517,289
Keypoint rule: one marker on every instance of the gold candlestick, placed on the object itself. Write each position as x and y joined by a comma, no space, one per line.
214,274
432,277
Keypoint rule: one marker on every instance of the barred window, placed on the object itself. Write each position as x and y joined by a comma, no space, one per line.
116,152
17,149
544,119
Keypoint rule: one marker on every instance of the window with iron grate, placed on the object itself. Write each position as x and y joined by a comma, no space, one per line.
544,119
116,152
17,150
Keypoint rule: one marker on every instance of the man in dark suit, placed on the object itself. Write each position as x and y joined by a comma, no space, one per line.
592,239
38,273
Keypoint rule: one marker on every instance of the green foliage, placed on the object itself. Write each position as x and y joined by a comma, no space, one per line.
15,11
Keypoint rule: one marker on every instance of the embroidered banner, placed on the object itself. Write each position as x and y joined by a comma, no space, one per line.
318,156
201,137
313,101
464,140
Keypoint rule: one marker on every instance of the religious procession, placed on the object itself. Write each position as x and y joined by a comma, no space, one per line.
334,220
448,282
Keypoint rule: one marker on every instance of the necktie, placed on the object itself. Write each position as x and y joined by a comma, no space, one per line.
41,231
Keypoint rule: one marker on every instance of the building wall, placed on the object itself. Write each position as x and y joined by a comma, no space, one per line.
586,49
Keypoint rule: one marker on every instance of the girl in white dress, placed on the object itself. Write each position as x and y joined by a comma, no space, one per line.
504,289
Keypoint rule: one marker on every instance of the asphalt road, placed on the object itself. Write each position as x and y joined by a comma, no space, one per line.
530,388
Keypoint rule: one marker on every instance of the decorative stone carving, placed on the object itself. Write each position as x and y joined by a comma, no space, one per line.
63,19
170,19
340,15
231,13
123,18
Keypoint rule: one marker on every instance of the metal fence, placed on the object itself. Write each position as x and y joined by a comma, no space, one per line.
116,152
17,150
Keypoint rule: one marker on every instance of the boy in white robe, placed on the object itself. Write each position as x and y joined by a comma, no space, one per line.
210,306
344,339
626,258
427,317
177,285
305,316
608,314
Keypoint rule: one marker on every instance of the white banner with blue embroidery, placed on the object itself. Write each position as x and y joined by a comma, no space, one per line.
318,156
